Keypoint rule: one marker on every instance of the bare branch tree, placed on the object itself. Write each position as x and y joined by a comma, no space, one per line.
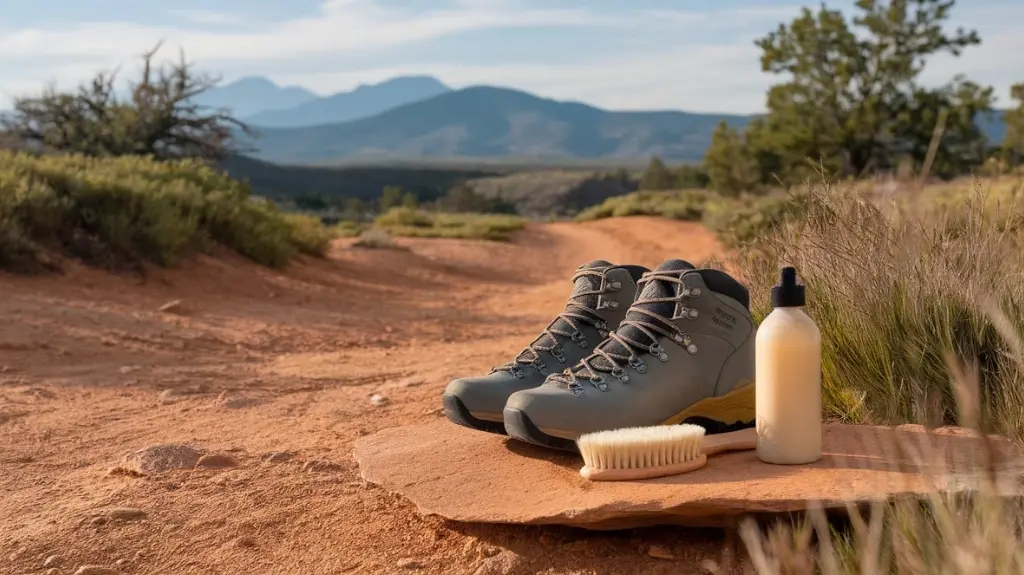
158,117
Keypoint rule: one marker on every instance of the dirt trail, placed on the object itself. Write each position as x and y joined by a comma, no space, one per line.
276,371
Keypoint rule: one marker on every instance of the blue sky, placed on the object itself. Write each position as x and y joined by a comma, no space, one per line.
618,54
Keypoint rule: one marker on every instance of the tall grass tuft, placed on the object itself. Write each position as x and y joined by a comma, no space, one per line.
919,305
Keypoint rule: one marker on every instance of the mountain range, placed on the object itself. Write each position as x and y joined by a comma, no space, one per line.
421,118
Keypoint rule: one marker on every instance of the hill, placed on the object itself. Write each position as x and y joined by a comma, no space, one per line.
487,122
254,94
363,102
364,182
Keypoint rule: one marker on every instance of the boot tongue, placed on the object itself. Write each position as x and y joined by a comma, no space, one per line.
652,290
583,284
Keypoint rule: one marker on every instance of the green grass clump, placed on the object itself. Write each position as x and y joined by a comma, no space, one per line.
347,229
132,209
410,222
685,205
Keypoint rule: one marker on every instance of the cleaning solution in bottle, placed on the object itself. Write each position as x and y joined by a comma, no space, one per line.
788,385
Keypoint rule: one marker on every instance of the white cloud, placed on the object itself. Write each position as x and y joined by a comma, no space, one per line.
340,26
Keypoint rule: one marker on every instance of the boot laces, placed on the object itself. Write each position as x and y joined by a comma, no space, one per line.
580,312
591,368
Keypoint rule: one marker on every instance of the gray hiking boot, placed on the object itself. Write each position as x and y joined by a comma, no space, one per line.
683,354
602,292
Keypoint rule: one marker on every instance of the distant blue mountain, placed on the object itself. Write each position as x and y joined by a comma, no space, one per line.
490,122
252,95
363,102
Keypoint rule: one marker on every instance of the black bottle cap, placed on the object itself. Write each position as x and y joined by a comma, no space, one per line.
788,293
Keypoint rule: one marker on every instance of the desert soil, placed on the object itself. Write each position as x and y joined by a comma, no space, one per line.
273,375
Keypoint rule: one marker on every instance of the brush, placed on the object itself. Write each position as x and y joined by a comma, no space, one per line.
657,451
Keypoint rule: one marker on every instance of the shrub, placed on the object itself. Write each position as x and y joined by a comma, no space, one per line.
132,209
680,205
414,223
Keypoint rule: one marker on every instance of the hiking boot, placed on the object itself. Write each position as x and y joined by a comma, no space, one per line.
601,294
683,354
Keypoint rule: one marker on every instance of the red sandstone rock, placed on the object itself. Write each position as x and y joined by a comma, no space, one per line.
466,475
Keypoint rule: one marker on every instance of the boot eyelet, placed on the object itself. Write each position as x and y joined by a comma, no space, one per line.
538,365
637,364
517,372
691,349
695,292
602,386
614,286
692,313
576,388
558,353
580,338
656,350
620,374
678,338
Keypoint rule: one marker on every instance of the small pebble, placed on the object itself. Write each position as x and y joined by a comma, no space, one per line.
51,561
504,563
378,400
409,564
216,461
278,456
126,514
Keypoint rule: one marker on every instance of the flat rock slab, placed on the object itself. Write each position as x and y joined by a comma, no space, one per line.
466,475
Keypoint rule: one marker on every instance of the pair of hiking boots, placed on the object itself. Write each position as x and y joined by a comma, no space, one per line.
633,347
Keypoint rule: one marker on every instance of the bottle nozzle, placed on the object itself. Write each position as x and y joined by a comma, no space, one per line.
787,277
788,293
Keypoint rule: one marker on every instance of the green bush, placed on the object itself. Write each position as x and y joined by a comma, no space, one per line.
111,210
411,222
680,205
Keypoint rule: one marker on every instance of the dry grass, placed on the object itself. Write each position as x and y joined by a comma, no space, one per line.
919,299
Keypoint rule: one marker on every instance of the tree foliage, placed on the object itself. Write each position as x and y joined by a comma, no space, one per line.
852,102
158,117
657,176
730,164
1013,143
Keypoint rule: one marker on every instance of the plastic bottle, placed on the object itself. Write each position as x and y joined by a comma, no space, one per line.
788,384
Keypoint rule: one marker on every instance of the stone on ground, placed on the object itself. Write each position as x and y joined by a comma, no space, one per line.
466,475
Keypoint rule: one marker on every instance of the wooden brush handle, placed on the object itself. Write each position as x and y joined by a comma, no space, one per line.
733,441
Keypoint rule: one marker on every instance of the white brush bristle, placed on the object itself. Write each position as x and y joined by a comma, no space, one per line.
641,447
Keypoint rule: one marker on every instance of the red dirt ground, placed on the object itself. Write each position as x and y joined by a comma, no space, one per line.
276,371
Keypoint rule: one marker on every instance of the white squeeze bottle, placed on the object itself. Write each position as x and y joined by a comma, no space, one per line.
788,379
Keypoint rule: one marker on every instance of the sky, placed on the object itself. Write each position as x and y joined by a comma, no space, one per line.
618,54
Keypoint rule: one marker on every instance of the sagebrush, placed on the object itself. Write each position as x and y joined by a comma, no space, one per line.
133,209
